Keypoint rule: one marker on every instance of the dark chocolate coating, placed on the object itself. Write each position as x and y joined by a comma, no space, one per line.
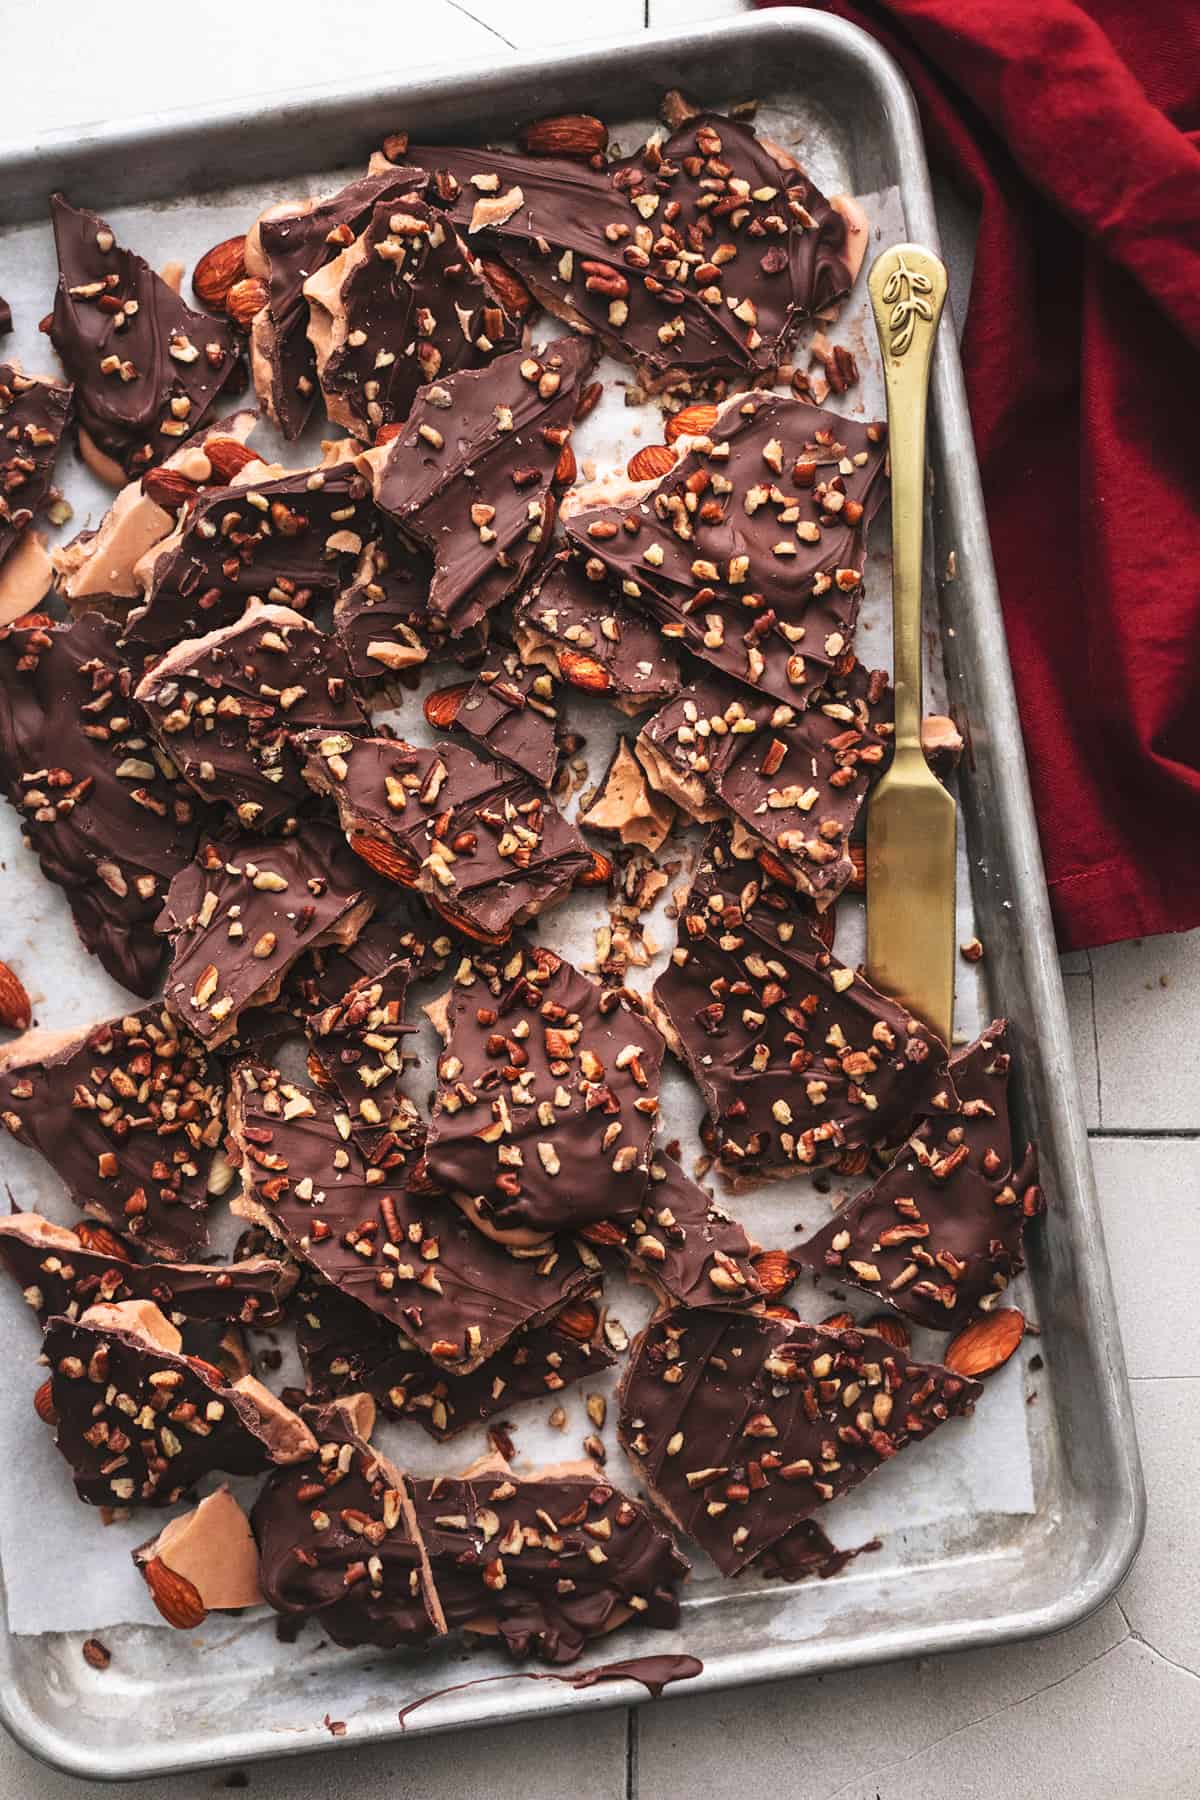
598,641
805,1551
760,575
940,1232
108,824
416,308
797,1057
744,1425
128,1114
138,1424
510,712
549,1563
401,926
297,242
147,369
383,617
241,913
289,541
668,262
472,478
336,1542
546,1102
413,1259
358,1043
33,416
686,1244
488,848
6,318
222,707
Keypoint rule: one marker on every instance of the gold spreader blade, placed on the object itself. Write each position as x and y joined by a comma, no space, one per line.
911,817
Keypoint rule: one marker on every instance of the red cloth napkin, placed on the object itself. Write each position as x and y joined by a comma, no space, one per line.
1075,128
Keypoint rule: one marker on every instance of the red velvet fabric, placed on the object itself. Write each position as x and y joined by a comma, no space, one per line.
1076,129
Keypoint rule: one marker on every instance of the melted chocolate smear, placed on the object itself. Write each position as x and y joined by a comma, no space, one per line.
653,1672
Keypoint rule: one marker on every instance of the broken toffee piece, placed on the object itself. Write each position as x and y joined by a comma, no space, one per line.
140,1423
587,635
108,818
546,1102
743,1425
222,707
686,1246
128,1114
488,848
939,1234
146,367
750,551
695,258
34,410
474,476
204,1561
405,303
410,1257
241,913
357,1043
547,1562
508,712
626,805
287,245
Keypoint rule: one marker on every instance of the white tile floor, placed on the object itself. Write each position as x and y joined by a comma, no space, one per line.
1108,1711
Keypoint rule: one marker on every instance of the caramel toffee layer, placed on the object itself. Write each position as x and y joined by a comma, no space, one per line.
108,818
687,1246
509,712
345,1349
940,1233
34,411
744,1425
222,707
240,915
694,258
488,848
750,551
146,368
128,1115
474,475
546,1101
410,1257
357,1043
584,632
797,1056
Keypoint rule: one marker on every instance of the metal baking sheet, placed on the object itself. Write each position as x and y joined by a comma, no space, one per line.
953,1577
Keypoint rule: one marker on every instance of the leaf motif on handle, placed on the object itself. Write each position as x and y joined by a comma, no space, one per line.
902,291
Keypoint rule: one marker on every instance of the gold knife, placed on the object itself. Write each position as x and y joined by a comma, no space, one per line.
911,817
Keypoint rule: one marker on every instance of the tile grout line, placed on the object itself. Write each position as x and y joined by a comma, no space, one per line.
1095,1039
1184,1132
631,1738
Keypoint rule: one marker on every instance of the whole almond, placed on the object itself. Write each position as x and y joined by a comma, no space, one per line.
986,1343
102,1241
892,1329
508,288
383,858
838,1321
226,456
441,706
386,433
858,881
583,671
459,920
168,488
566,134
603,1231
217,271
43,1403
651,462
578,1321
566,468
692,421
600,873
775,1270
15,1009
174,1595
246,299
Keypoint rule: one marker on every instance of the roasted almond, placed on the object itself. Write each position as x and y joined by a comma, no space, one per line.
602,1231
587,399
986,1343
692,421
775,1270
246,299
651,462
467,926
823,925
441,706
174,1595
383,858
583,671
508,288
853,1159
775,1309
578,1321
566,134
771,865
386,433
226,456
168,488
839,1321
566,468
891,1329
43,1403
858,881
15,1009
208,1370
600,873
217,271
102,1241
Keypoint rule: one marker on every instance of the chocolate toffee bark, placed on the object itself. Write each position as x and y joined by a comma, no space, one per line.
695,258
108,818
402,926
547,1562
586,634
546,1102
357,1044
345,1349
405,303
508,712
34,410
794,781
338,1540
128,1114
287,245
625,804
289,539
750,551
204,1561
797,1057
686,1246
146,367
488,848
743,1425
240,914
409,1257
939,1234
474,476
383,617
139,1422
222,707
